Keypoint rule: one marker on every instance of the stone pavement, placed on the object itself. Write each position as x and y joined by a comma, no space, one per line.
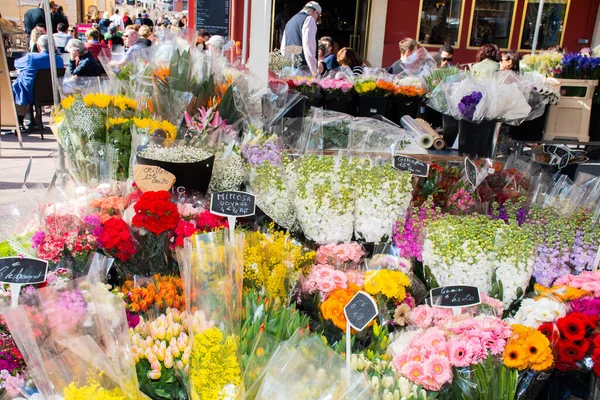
14,160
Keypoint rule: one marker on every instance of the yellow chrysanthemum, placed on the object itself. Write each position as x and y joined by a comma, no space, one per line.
67,102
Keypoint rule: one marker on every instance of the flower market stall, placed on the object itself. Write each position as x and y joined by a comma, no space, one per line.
219,238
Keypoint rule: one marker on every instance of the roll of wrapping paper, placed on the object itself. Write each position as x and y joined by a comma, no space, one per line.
438,141
426,141
425,137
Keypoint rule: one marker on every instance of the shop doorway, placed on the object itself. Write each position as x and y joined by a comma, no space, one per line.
347,22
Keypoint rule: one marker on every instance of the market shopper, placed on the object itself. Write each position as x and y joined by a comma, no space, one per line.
447,55
329,58
104,23
144,36
82,63
58,17
39,30
487,60
348,58
28,67
407,47
300,36
33,17
112,38
510,61
118,20
61,38
93,45
73,31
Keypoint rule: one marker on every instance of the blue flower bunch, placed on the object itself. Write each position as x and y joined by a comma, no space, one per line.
468,105
256,154
579,66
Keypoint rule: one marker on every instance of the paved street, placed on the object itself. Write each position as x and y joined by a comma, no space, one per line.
14,160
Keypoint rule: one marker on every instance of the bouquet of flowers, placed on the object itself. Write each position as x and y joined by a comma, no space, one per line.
271,178
409,92
454,245
548,64
306,367
382,197
305,85
579,66
67,240
155,294
273,263
374,87
212,267
162,348
503,96
75,342
336,87
438,76
325,198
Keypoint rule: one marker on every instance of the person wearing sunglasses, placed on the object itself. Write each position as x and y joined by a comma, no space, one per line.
73,32
300,36
447,54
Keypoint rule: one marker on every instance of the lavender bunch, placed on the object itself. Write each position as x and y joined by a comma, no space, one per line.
468,105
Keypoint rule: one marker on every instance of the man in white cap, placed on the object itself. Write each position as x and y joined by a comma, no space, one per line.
300,35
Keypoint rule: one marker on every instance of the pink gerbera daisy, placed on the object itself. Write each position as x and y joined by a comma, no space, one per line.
439,368
413,371
461,352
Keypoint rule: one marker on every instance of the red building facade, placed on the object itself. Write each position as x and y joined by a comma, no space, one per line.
403,19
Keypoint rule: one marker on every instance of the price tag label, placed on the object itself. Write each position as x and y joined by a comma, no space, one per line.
471,171
415,166
455,296
151,178
23,271
19,271
232,204
360,311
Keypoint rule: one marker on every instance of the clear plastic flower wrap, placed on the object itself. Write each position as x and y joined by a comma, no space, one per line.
383,195
75,340
304,366
503,96
271,177
325,198
502,254
212,268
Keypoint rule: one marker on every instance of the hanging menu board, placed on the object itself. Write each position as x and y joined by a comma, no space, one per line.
213,15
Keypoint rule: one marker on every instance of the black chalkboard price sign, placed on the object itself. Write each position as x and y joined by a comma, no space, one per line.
232,204
414,166
23,271
471,171
360,311
213,15
455,296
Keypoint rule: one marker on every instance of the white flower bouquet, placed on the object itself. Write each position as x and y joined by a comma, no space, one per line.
383,195
494,256
325,198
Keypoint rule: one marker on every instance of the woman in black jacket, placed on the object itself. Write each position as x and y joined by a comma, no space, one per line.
82,63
